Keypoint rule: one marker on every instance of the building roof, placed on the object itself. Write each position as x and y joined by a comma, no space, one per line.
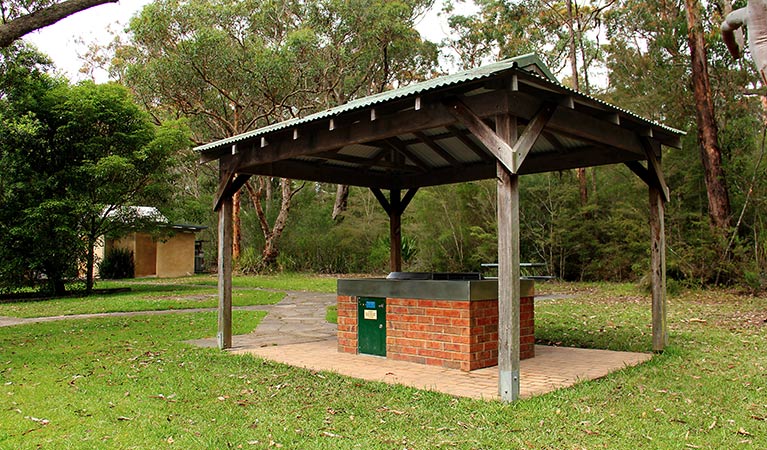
413,136
131,214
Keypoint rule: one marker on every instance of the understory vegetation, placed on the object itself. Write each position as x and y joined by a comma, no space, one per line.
132,382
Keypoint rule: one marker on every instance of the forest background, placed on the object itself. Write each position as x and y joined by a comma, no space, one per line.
227,67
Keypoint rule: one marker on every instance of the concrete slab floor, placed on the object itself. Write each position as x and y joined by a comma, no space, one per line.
552,368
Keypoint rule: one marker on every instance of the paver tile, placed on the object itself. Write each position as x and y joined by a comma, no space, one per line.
552,368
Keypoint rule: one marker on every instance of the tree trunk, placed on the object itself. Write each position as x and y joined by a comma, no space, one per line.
573,56
59,288
571,44
341,203
719,210
583,187
89,263
271,234
18,27
236,226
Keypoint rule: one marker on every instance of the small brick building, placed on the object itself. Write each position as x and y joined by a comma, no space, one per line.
174,252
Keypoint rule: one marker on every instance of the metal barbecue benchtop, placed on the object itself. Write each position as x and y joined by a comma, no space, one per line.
427,285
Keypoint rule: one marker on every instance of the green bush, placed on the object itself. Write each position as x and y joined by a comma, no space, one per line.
249,261
117,264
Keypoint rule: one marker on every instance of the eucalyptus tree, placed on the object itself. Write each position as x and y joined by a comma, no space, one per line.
654,45
234,66
565,33
719,209
659,54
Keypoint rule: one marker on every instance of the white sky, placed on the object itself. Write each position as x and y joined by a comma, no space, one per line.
69,38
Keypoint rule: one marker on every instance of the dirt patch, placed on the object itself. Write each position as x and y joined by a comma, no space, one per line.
744,319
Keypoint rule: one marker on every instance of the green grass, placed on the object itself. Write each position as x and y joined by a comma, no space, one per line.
130,383
282,282
142,297
331,315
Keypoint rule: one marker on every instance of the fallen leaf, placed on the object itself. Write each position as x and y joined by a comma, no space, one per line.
743,432
329,434
713,424
40,421
170,440
123,418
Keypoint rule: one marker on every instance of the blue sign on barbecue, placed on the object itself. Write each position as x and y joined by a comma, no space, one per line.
370,304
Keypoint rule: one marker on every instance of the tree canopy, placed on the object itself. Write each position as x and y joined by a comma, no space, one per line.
70,155
230,67
227,67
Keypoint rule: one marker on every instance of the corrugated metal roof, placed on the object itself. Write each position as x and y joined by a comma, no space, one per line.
530,63
486,71
613,107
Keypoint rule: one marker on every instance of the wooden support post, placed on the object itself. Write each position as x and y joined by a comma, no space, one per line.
395,206
395,231
508,269
224,335
658,269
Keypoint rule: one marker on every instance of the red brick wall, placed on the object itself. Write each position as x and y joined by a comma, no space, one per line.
484,334
526,327
447,333
347,324
434,332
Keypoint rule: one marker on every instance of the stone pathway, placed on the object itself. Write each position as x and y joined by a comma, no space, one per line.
6,321
296,319
299,317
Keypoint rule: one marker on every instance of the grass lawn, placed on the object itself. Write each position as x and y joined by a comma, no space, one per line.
282,282
142,297
132,383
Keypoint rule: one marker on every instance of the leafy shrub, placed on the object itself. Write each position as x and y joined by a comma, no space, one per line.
249,261
117,264
753,280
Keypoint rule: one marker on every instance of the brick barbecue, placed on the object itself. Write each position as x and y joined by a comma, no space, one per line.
456,333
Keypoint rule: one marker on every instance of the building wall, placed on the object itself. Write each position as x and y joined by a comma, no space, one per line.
171,258
175,257
145,255
127,242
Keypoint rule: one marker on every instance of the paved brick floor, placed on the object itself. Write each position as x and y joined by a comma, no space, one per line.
552,368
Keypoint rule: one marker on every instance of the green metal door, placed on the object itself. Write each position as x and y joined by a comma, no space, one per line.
371,326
